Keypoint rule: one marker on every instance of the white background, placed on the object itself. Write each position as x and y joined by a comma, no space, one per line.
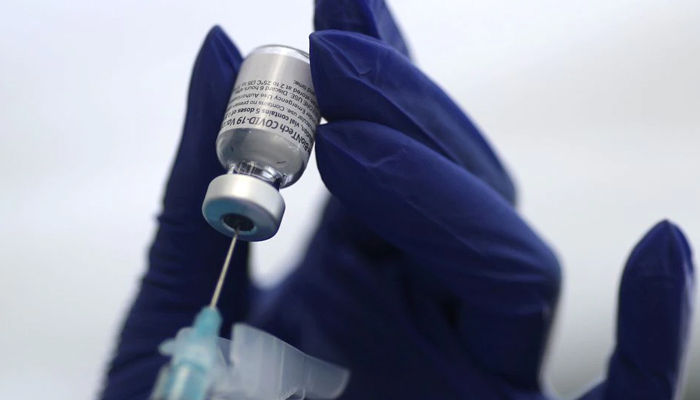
594,105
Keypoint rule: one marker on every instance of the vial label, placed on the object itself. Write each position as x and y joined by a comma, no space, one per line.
274,93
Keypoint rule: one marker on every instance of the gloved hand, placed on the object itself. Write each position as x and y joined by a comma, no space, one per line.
421,278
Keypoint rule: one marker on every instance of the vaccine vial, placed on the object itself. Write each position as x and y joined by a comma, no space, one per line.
264,143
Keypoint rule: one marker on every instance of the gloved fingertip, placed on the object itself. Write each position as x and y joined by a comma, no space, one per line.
196,163
368,17
212,79
218,61
217,33
351,66
213,75
217,36
357,77
663,252
655,307
345,15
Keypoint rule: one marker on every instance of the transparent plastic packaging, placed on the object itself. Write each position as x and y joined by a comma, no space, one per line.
262,367
254,365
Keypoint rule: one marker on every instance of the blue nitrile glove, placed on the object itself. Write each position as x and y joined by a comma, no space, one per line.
422,278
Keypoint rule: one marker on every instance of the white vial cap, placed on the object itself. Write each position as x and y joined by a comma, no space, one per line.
252,204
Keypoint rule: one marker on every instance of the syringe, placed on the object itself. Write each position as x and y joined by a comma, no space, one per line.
195,352
255,366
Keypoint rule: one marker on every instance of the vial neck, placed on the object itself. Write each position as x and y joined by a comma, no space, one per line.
262,172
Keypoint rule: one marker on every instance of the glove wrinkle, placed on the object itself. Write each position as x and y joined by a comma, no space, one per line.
443,219
359,78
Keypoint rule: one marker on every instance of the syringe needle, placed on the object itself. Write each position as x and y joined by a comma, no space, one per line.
220,283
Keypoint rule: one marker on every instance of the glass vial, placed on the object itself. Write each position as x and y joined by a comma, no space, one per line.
264,143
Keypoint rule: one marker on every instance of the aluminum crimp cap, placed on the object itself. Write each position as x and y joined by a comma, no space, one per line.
252,201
